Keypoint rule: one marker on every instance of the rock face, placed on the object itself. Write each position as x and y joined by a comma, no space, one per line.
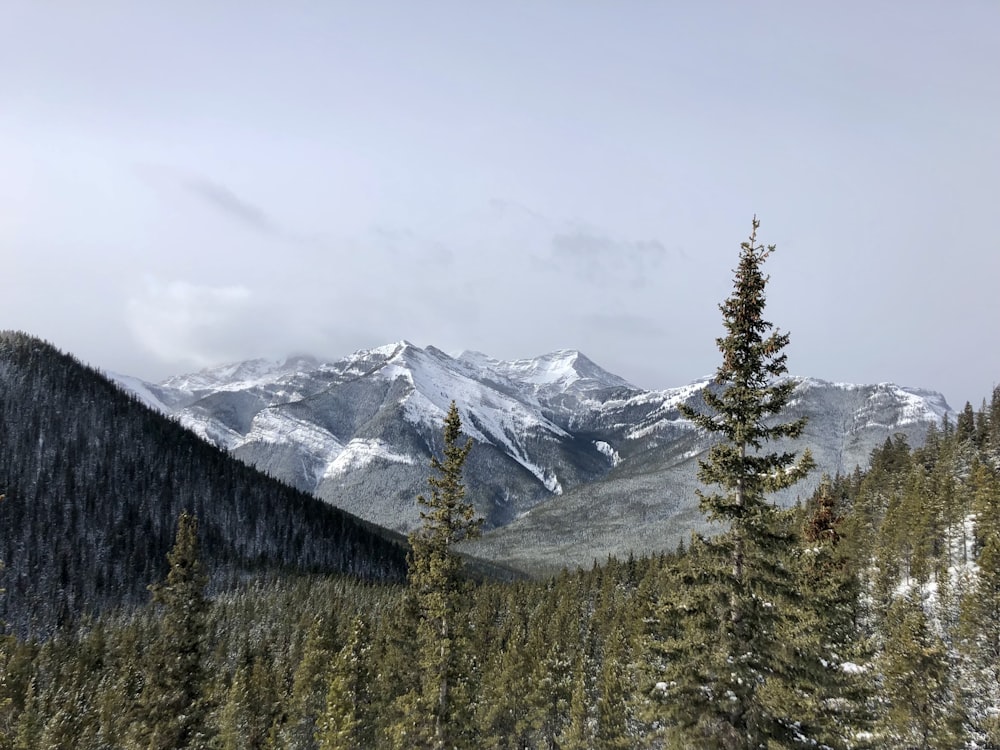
571,462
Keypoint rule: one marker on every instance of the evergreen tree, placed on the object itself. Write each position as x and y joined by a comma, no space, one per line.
342,726
578,734
979,624
31,723
728,644
965,426
831,694
173,709
249,716
309,686
916,677
437,583
993,430
553,644
612,706
502,710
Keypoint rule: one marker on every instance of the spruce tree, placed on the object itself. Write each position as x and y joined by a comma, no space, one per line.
727,643
979,622
437,583
172,710
309,686
249,717
612,707
831,695
341,726
992,452
578,733
916,679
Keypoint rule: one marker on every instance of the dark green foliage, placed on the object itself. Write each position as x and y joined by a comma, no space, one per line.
309,684
613,691
831,694
249,714
434,713
172,704
723,644
917,682
579,732
965,425
979,620
347,719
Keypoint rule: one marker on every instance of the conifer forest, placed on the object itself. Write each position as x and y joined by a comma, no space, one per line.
178,599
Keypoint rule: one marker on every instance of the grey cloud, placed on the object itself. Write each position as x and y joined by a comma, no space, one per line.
505,208
226,201
623,324
597,258
404,243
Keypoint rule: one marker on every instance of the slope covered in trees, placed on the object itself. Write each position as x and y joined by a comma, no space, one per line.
904,615
95,481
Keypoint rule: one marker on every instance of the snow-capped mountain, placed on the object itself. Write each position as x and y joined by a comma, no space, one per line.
567,454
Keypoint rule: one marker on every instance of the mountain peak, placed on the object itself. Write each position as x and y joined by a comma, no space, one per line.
386,350
561,369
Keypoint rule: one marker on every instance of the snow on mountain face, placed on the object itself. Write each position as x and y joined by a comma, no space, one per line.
359,453
556,372
360,432
240,376
487,415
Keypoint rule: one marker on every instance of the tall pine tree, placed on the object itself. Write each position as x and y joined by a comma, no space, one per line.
436,706
725,652
172,710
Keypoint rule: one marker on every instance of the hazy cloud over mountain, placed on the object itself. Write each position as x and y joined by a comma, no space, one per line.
512,179
599,259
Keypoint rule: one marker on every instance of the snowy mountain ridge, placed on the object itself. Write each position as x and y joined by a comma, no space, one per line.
359,432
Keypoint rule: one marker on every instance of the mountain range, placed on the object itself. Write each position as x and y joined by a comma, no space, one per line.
571,462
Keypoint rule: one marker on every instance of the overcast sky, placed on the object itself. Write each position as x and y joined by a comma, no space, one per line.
189,183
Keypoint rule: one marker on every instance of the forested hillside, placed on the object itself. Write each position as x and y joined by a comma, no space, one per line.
897,568
94,483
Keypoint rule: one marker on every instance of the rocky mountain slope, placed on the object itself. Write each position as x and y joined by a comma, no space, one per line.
571,462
